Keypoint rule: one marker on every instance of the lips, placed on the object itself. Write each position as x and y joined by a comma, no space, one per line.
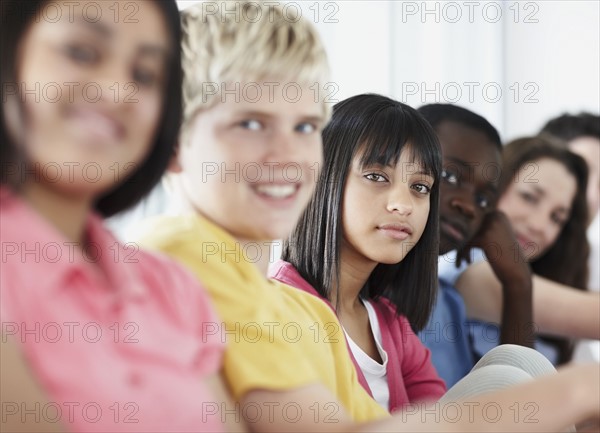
277,191
524,241
98,123
398,231
453,230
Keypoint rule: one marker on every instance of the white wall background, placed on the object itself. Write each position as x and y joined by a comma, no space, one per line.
543,56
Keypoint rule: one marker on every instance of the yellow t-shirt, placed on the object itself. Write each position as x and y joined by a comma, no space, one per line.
277,337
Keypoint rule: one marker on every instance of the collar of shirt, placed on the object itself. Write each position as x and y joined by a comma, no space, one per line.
48,259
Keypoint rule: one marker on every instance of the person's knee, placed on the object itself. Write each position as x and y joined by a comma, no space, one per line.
525,358
486,379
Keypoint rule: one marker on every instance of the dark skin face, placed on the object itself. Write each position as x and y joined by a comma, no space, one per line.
469,185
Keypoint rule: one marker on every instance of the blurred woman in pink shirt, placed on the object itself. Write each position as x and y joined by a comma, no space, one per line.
96,335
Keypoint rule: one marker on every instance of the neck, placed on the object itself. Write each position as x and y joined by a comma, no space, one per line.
259,252
66,213
354,273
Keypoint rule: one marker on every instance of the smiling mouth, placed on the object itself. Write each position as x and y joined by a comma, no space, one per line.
98,124
524,242
277,191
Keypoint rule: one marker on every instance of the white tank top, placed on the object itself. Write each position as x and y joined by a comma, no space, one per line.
374,372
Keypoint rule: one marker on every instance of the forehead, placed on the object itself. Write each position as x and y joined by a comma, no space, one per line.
268,96
462,143
125,23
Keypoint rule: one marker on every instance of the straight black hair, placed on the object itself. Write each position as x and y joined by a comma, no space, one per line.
15,18
378,129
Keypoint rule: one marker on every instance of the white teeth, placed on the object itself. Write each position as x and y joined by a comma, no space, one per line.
277,191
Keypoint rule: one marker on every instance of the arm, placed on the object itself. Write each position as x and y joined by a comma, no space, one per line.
19,388
550,403
511,272
554,304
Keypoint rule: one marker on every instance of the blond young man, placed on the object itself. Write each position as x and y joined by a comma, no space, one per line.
247,163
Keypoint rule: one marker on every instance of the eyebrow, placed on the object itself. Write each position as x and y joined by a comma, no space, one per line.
461,162
421,171
542,193
490,186
105,32
539,190
262,114
148,50
98,27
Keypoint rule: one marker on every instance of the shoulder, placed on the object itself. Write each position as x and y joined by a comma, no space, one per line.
312,305
387,311
171,285
286,273
166,231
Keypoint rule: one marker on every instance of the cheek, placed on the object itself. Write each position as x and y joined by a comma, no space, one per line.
422,217
553,234
509,205
149,112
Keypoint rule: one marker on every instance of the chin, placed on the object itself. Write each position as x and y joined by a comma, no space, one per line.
390,259
273,233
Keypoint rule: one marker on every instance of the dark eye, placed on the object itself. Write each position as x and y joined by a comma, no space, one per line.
450,177
145,77
81,54
251,124
376,177
306,128
530,198
483,202
422,188
559,220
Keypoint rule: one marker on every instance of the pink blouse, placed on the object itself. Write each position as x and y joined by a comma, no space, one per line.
116,338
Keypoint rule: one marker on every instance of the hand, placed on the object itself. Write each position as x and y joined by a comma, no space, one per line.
499,244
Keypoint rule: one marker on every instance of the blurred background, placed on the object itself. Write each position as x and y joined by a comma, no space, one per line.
517,63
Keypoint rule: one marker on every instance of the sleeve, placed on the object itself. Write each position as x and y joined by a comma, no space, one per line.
357,401
420,377
447,269
258,355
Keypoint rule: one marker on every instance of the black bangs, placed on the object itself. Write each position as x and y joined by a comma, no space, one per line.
377,129
393,130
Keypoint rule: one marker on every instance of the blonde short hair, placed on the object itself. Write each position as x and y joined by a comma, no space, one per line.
241,42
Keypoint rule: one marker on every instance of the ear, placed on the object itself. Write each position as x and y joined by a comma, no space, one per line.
174,164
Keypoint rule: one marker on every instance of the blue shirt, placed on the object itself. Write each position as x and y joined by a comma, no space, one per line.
446,335
484,336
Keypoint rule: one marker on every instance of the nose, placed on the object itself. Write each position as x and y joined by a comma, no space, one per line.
540,228
285,157
400,200
464,204
114,85
281,146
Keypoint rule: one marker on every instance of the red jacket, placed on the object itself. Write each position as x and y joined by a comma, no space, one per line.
411,375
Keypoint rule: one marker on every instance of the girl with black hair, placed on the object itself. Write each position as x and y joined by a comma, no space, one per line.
368,243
